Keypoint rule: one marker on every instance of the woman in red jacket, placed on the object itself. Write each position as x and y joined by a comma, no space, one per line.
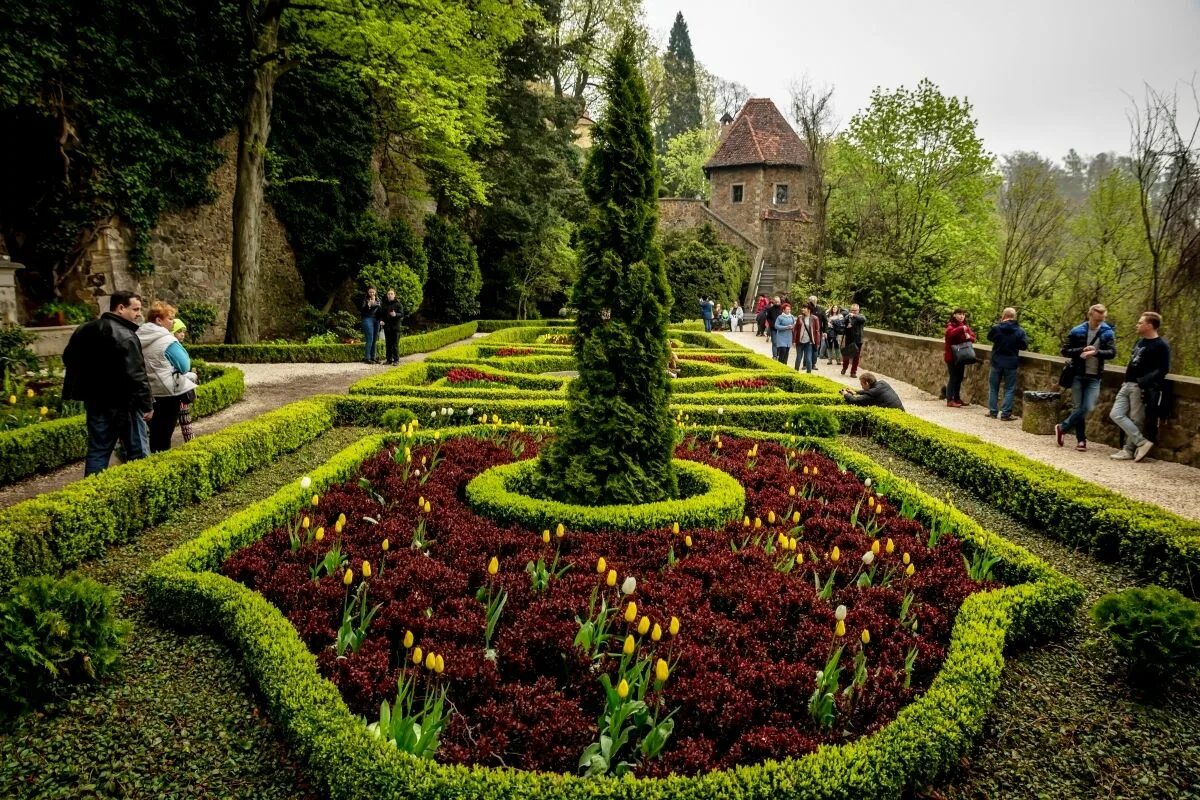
957,332
806,336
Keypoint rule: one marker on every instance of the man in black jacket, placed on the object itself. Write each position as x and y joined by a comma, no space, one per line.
105,371
853,344
1144,375
874,393
1008,340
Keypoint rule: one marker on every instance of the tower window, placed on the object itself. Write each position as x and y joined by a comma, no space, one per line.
735,192
781,194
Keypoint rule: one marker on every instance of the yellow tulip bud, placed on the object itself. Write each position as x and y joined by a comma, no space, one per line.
611,577
875,547
661,671
546,536
560,531
436,436
815,471
423,460
493,566
687,540
29,393
675,528
906,558
316,500
795,517
643,626
43,411
408,639
745,522
386,543
418,656
771,517
890,547
623,689
428,507
421,503
430,661
348,578
835,554
673,626
870,502
656,632
629,645
341,519
12,399
782,539
840,628
799,558
630,611
366,569
805,470
910,569
601,566
306,523
791,491
439,665
320,534
866,636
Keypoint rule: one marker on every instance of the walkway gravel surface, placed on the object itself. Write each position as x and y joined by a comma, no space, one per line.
1173,486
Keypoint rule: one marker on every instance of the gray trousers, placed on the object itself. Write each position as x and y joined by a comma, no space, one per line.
1129,412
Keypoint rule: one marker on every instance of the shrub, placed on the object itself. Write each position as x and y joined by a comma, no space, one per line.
396,418
198,316
15,355
454,276
56,630
290,353
814,421
73,313
386,275
318,325
1157,630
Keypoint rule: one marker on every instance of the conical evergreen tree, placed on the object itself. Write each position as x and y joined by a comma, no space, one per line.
681,86
616,440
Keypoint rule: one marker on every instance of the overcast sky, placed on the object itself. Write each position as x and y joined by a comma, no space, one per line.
1044,76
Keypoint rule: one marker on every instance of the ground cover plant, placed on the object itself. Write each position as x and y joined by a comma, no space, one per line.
840,571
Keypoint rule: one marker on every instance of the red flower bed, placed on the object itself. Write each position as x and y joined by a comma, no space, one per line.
744,383
707,359
507,352
745,657
468,375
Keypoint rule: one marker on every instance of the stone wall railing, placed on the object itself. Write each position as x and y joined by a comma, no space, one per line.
918,360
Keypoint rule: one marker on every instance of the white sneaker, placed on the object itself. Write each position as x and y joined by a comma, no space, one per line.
1122,455
1143,450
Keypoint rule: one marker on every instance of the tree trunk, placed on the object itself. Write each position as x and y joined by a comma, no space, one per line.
253,131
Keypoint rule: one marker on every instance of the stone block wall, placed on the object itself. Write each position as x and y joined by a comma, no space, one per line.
918,360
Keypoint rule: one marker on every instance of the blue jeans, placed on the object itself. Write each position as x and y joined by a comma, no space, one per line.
708,324
107,426
781,354
806,356
370,326
1009,375
1085,391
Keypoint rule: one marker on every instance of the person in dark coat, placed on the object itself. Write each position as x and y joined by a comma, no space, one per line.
1008,340
368,310
391,312
874,393
852,343
105,371
1088,345
832,348
957,332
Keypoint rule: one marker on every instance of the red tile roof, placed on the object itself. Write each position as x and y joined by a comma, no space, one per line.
760,135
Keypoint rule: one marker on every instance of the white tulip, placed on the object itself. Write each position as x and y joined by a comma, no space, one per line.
867,483
720,411
868,558
305,482
840,613
471,411
629,586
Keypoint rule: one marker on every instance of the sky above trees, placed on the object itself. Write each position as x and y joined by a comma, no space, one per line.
1041,76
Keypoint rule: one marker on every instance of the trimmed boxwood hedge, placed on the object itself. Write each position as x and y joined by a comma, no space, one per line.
711,499
926,739
56,531
491,325
49,445
325,353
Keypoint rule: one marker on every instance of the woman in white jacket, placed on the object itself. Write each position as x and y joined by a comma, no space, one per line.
168,368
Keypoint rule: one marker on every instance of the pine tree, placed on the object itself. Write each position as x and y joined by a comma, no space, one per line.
682,89
616,440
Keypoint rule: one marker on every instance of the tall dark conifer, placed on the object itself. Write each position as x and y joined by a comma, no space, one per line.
616,440
679,81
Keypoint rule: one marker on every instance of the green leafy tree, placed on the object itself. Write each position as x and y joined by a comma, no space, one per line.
698,263
683,165
681,92
452,292
616,439
912,207
428,62
386,275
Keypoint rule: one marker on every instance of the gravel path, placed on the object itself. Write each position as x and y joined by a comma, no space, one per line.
1165,483
268,387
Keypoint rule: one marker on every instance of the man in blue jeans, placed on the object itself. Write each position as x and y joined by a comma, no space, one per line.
1008,340
1088,345
706,313
106,372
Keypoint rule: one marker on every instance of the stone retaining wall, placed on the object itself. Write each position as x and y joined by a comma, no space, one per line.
918,360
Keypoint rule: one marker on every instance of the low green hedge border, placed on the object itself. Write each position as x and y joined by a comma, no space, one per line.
926,739
49,445
1162,547
325,353
493,325
712,498
55,531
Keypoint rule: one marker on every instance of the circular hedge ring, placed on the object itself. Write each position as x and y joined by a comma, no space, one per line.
710,499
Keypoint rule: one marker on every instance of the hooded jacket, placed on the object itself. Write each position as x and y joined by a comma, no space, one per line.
104,366
1008,340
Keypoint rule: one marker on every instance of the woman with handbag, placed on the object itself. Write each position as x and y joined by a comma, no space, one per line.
168,369
958,356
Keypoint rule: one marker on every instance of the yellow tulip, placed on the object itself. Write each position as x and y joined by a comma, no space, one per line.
906,558
611,578
421,503
316,500
386,543
771,517
656,632
439,665
428,507
799,558
43,411
12,399
687,540
840,628
341,520
890,548
430,661
366,569
418,656
560,531
910,569
306,523
745,522
320,534
835,554
623,689
423,460
675,528
673,627
643,626
782,538
795,517
348,578
546,536
805,470
29,393
757,523
629,645
875,547
661,671
866,636
408,639
630,611
493,566
791,491
815,471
